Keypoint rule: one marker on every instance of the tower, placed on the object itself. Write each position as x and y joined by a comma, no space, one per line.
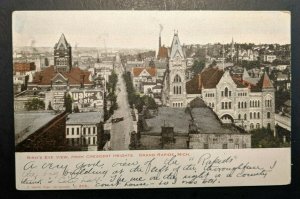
62,55
177,75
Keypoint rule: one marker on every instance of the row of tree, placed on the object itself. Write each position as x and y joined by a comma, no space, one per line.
110,96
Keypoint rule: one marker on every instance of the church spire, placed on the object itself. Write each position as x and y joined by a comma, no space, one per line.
176,47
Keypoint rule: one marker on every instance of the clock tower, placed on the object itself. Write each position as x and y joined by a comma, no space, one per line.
177,75
62,55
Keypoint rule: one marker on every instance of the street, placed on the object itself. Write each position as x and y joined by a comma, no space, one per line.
120,131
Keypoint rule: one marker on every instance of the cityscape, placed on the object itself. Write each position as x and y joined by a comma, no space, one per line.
177,95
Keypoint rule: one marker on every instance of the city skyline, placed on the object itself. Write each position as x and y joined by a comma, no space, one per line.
141,28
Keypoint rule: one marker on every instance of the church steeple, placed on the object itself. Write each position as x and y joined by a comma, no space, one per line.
176,48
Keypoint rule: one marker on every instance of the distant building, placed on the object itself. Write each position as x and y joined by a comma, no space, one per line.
143,75
84,130
62,55
269,58
196,127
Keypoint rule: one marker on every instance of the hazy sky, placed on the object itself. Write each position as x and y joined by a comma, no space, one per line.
140,29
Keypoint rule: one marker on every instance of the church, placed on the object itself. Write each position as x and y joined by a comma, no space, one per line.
241,100
174,89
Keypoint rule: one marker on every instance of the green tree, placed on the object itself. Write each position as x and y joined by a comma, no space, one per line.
34,104
198,66
263,138
50,106
68,103
106,116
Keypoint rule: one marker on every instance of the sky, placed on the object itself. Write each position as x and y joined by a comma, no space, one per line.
140,29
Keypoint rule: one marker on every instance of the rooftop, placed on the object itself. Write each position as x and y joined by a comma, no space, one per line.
28,122
85,118
175,117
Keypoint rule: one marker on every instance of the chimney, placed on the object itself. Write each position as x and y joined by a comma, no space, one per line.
159,41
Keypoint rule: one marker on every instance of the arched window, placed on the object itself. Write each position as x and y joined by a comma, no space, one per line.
245,116
258,115
226,92
251,126
239,116
251,115
177,78
254,115
239,105
245,104
174,89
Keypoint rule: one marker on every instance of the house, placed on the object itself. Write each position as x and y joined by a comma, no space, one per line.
141,75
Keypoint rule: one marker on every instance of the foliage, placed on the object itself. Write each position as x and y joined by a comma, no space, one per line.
281,96
106,116
76,109
250,64
135,99
68,103
198,66
34,104
111,96
50,106
264,138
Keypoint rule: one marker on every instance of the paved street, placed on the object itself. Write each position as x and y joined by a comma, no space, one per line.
120,132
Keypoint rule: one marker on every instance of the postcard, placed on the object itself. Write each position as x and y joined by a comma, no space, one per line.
151,99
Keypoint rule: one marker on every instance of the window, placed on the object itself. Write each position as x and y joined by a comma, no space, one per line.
251,115
205,146
78,131
245,116
177,78
229,93
224,146
239,105
236,146
222,105
239,116
83,131
258,115
268,115
257,125
269,125
258,104
251,126
222,93
245,104
226,92
94,130
67,131
226,105
254,115
229,104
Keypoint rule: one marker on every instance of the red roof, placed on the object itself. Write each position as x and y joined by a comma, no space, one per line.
74,76
137,71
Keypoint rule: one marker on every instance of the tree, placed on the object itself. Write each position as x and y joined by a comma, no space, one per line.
50,106
68,103
198,66
106,116
263,138
34,104
76,109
